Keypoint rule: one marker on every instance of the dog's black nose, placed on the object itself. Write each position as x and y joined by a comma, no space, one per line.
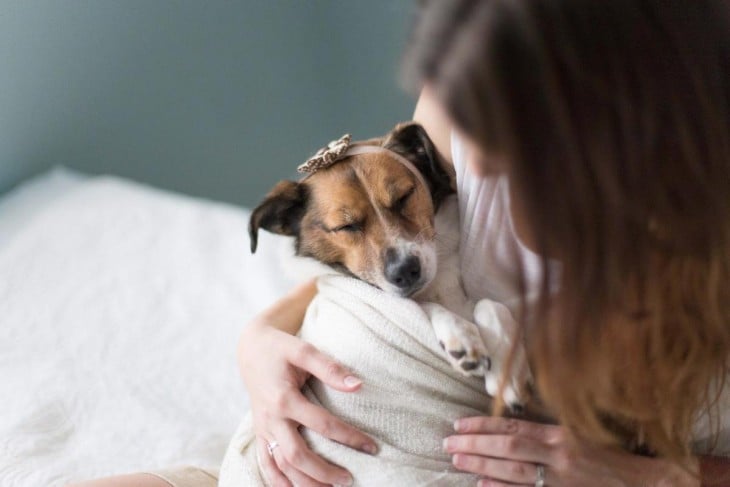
405,272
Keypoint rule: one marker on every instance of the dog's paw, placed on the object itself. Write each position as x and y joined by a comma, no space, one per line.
460,340
515,394
499,329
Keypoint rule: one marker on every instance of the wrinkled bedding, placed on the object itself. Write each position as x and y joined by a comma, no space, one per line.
120,309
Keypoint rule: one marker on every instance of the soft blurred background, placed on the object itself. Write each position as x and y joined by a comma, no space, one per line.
213,98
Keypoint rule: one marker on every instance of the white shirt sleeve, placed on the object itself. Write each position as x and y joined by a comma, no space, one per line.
711,435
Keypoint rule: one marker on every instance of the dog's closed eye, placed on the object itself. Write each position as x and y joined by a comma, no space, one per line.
400,203
353,227
350,227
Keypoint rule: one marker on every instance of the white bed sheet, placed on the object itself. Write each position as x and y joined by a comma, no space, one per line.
120,309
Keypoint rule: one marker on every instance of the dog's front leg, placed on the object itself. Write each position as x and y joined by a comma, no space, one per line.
499,330
460,339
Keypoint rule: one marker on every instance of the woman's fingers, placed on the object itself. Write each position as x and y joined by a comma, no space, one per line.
509,447
274,376
497,469
504,449
508,426
326,424
498,483
298,478
298,456
308,358
270,469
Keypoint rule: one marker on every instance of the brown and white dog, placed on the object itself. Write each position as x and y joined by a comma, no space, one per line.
385,211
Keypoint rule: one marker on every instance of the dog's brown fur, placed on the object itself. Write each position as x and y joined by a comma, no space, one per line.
358,207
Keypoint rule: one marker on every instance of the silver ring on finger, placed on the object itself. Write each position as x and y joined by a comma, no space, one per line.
540,478
270,446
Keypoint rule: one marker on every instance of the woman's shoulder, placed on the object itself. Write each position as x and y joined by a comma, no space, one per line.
431,115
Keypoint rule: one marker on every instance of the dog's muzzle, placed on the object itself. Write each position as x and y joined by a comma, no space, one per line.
404,272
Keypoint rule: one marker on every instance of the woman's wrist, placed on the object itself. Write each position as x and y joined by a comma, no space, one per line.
658,472
715,470
287,313
252,328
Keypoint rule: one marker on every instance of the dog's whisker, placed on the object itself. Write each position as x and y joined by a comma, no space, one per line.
419,235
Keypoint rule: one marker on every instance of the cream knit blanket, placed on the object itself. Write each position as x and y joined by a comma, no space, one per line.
408,402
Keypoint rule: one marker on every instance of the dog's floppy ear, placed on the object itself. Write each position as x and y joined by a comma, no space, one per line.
410,140
281,211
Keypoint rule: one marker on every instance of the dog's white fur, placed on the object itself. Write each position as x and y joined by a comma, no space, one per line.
478,335
427,253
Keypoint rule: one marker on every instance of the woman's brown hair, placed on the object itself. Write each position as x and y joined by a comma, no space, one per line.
614,116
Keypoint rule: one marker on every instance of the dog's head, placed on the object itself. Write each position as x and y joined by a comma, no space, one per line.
370,215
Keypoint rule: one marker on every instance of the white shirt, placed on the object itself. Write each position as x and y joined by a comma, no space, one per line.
490,251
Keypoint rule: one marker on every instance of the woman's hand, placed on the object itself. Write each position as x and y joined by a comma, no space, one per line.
274,366
508,452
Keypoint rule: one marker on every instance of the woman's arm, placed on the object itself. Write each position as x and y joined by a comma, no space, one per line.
274,366
286,314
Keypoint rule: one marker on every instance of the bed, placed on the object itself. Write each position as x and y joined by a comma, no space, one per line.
120,309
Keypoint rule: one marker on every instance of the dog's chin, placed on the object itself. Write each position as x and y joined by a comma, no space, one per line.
410,292
414,293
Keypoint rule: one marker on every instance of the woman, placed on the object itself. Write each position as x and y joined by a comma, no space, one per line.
605,126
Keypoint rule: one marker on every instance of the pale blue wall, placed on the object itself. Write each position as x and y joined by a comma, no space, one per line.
213,98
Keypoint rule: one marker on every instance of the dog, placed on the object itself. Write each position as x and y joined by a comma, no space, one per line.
385,211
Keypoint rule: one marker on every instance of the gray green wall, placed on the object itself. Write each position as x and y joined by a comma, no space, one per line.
212,98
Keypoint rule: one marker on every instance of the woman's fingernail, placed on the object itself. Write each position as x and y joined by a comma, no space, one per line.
370,448
458,425
345,480
352,381
446,444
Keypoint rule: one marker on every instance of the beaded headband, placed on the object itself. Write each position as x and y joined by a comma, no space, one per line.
326,156
340,149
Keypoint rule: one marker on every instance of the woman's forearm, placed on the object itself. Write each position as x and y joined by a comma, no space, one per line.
287,314
715,471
